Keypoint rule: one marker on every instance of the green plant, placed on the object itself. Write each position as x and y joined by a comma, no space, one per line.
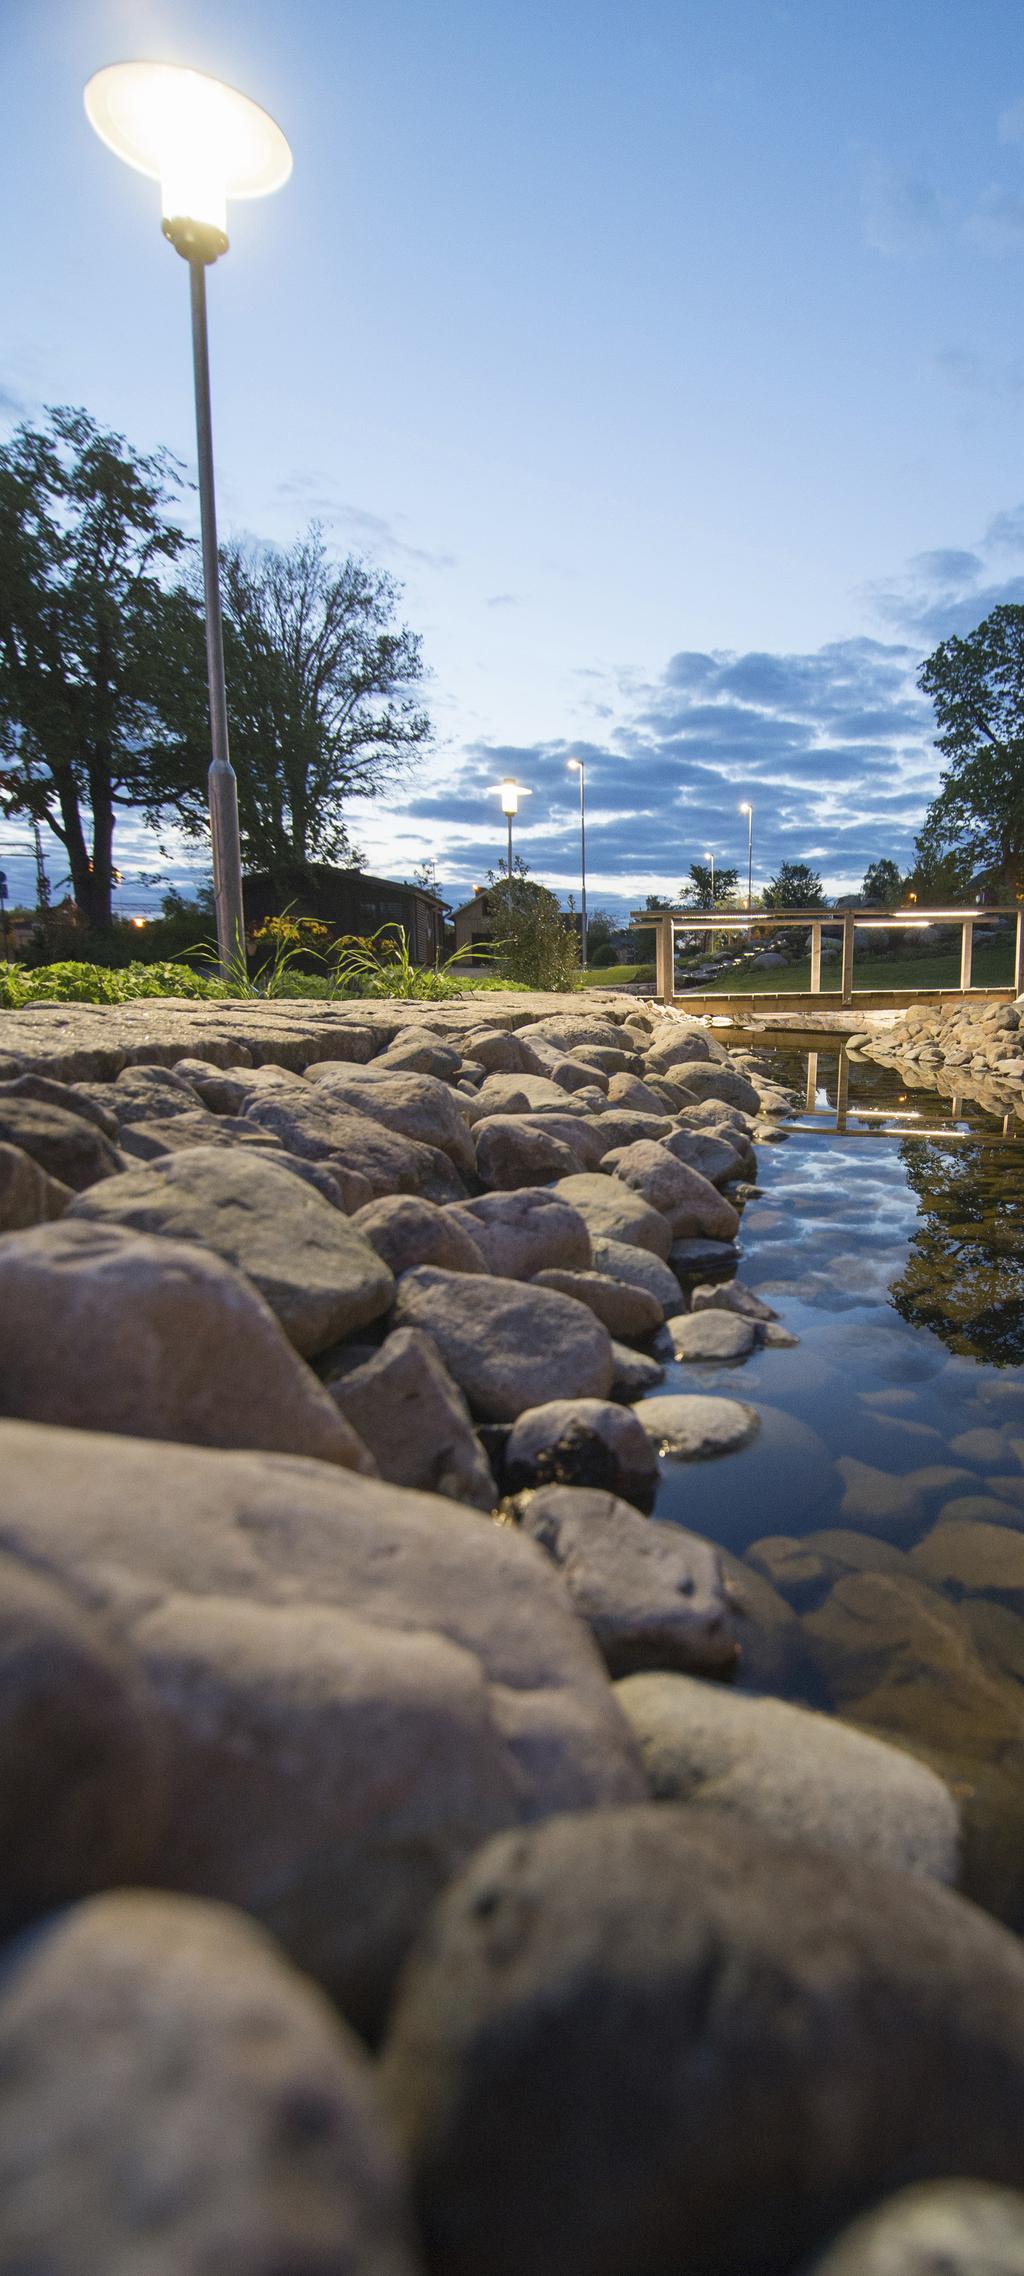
380,965
77,983
533,944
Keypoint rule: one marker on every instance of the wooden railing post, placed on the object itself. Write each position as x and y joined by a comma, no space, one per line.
815,960
966,954
1018,959
664,974
847,972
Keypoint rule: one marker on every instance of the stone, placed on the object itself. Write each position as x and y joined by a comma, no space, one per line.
617,1126
176,2098
711,1336
27,1195
987,1448
66,1145
583,1134
608,1059
942,2228
733,1297
355,1684
582,1442
639,1268
680,1046
405,1407
417,1106
498,1053
406,1231
981,1560
625,1310
773,1653
895,1506
507,1346
901,1659
72,1098
737,2040
712,1116
654,1596
693,1206
420,1053
383,1160
102,1329
802,1575
321,1279
630,1092
689,1426
146,1094
794,1773
712,1158
694,1259
83,1787
521,1094
521,1233
514,1151
633,1373
716,1082
612,1212
564,1030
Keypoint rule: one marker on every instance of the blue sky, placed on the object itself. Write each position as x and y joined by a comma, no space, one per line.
671,356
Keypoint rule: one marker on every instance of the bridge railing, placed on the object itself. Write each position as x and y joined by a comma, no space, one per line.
666,924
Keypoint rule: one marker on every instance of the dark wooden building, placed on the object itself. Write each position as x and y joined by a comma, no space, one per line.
349,902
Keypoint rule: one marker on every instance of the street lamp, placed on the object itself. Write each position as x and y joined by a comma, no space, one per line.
710,857
749,812
576,767
204,143
511,793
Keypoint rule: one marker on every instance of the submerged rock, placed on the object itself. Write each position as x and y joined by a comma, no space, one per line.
653,1595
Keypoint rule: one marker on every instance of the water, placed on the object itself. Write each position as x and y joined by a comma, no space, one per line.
883,1498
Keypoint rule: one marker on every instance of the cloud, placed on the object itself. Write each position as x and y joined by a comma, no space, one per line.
903,215
317,497
502,601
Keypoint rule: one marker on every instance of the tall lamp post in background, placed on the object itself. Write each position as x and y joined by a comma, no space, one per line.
204,143
511,793
749,812
577,767
710,857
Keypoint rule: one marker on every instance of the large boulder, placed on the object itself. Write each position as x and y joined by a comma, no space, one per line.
507,1346
521,1094
736,2040
690,1426
582,1442
627,1310
320,1277
612,1212
406,1231
27,1195
175,2098
107,1330
418,1106
404,1406
513,1150
520,1233
354,1685
808,1777
350,1142
66,1145
654,1596
693,1206
724,1083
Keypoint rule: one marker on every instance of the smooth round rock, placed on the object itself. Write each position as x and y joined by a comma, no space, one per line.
711,1336
944,2228
582,1442
690,1427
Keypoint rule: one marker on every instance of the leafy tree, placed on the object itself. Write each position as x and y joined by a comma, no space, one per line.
698,894
320,699
795,887
977,687
940,879
534,944
84,615
883,884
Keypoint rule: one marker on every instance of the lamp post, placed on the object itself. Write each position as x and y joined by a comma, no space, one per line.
204,142
577,767
710,857
749,812
511,793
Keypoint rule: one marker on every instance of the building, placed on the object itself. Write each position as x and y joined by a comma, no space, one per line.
349,902
473,922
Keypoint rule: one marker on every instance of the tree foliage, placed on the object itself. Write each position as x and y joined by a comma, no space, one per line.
320,696
85,615
883,885
697,893
533,941
976,684
796,887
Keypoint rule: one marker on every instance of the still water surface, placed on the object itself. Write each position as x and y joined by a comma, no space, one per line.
894,1249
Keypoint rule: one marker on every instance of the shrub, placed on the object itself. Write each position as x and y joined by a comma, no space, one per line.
534,945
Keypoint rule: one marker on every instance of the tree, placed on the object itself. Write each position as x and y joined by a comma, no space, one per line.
698,894
84,612
534,944
795,887
977,687
320,699
883,884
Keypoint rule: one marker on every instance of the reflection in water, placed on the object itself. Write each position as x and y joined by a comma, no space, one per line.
964,1277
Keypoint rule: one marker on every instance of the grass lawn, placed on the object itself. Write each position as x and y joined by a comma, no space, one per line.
992,968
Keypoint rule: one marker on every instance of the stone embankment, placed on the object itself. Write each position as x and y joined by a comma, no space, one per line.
972,1050
387,1887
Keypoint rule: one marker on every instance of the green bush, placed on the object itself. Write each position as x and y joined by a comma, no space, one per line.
533,944
78,983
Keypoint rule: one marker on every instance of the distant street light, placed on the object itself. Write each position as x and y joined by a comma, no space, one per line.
204,143
710,857
511,793
749,812
577,767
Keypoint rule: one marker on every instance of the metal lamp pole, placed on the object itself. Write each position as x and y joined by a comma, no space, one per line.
511,793
749,812
577,767
204,142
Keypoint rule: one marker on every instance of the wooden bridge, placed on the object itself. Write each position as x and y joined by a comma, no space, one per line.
667,924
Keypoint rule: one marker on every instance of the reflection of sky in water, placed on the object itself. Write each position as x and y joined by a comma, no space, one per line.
831,1235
